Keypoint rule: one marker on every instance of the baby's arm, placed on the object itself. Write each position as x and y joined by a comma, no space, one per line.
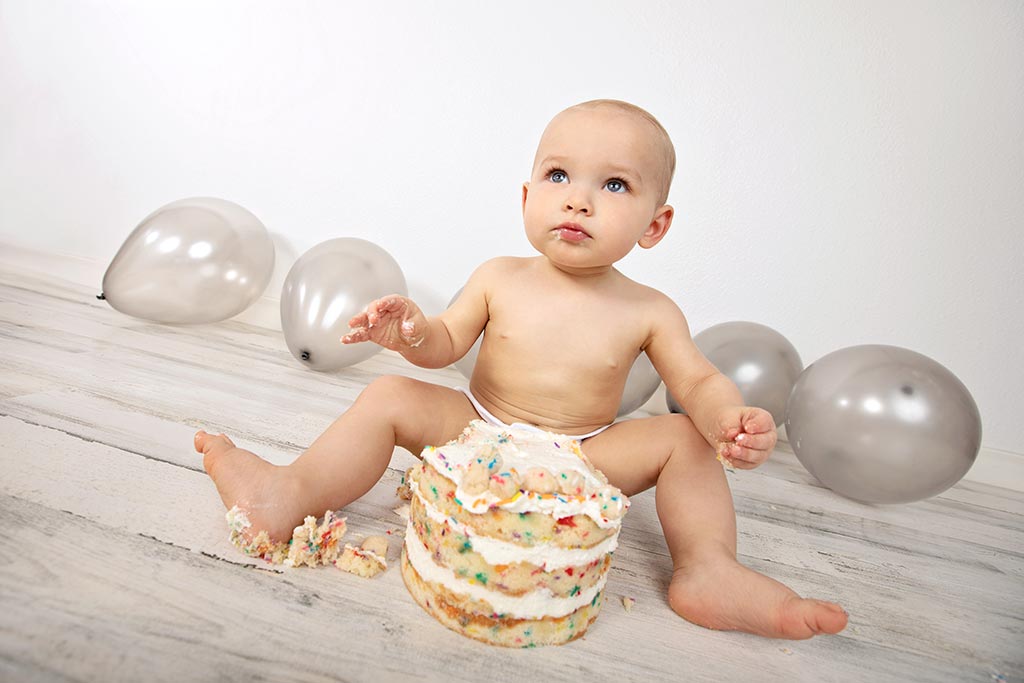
397,323
744,435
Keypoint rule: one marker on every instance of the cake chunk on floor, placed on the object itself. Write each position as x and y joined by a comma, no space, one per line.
366,561
311,544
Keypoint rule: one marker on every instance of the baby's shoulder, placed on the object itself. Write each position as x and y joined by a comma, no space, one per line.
500,267
649,296
651,307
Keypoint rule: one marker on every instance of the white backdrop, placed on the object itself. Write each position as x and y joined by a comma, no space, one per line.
849,172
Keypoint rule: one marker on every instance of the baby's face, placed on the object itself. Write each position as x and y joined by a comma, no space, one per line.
594,190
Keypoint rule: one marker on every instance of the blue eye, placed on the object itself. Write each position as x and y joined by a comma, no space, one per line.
558,177
616,185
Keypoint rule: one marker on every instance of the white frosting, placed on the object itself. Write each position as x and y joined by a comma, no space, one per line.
544,555
522,450
238,521
537,604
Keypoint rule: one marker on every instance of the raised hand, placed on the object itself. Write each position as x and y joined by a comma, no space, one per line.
394,322
746,436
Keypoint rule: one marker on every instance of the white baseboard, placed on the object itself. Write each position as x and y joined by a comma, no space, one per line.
993,466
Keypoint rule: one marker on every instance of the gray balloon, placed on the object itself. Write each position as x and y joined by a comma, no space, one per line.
883,424
325,287
641,383
759,360
196,260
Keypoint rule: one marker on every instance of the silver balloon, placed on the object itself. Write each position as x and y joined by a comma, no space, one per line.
883,424
325,287
641,383
759,360
196,260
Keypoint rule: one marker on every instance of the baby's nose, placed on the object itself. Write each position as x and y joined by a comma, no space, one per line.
581,207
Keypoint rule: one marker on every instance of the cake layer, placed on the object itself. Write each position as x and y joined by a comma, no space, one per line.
547,556
505,631
458,552
549,474
475,598
571,531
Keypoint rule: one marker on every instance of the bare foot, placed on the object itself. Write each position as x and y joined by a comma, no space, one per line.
724,595
265,492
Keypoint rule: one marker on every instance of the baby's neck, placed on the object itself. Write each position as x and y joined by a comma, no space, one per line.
594,274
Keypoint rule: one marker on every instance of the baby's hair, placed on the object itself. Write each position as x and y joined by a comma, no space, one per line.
668,150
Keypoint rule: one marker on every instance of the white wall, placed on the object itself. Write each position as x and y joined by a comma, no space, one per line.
850,172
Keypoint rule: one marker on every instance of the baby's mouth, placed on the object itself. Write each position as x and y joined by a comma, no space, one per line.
571,232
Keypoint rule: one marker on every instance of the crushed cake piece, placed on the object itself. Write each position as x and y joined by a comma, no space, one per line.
403,491
627,603
311,544
366,561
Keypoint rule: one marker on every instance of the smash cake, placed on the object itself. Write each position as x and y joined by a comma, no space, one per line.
510,536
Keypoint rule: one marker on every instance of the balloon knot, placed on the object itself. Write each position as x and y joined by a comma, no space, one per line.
305,355
101,296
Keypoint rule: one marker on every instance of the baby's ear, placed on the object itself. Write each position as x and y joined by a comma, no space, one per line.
526,190
658,227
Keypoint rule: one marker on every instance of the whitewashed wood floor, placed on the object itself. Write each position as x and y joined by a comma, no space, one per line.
116,566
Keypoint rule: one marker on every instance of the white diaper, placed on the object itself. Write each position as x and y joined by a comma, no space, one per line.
488,417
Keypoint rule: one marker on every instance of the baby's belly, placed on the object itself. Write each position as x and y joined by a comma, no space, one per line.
576,409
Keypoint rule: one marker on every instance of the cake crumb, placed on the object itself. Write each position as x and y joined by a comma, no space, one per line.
785,651
366,561
627,603
311,544
723,458
403,491
402,511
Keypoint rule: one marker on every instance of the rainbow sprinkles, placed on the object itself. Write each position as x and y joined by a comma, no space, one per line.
510,535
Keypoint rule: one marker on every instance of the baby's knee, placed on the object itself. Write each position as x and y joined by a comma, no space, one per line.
676,423
387,391
681,430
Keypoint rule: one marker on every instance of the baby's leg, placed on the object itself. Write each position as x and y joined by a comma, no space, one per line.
709,587
344,462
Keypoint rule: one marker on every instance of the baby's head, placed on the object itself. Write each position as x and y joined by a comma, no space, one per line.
661,150
599,183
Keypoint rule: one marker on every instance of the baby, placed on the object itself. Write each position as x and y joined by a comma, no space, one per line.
562,332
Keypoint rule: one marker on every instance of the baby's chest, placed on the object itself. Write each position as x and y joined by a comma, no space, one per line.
566,336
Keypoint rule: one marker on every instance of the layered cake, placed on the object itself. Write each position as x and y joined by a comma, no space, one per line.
510,536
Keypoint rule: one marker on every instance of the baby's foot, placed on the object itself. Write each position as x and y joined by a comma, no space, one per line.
723,594
266,493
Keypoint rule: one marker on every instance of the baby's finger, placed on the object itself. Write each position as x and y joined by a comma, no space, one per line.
741,464
758,421
382,308
356,335
745,458
358,320
373,312
757,442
